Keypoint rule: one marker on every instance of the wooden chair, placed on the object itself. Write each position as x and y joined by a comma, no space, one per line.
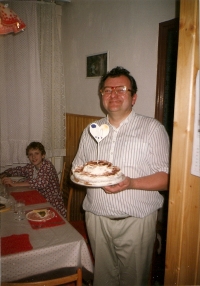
50,278
79,224
67,190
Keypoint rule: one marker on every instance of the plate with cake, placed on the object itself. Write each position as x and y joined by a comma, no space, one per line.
40,215
99,173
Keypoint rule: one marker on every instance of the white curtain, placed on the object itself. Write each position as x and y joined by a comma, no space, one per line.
32,102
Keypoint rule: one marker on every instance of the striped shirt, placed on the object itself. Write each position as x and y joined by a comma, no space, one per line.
140,147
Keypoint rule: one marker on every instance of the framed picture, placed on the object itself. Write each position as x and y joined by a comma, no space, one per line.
96,65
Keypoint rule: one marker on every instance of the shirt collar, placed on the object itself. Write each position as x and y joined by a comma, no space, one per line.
125,121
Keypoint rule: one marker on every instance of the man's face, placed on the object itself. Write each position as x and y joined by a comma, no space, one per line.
118,103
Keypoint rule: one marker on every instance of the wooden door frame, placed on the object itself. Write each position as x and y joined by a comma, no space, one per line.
161,67
164,30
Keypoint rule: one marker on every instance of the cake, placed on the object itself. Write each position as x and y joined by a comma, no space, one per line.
97,173
41,213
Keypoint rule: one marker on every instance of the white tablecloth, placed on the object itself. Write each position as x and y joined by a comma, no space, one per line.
53,248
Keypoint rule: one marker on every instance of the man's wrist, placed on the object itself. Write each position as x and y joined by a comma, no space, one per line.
132,185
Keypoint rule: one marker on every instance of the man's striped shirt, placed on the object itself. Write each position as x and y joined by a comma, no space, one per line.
140,147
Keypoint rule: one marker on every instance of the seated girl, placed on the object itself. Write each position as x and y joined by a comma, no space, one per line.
40,174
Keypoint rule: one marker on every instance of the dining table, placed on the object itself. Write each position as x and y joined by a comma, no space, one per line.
29,248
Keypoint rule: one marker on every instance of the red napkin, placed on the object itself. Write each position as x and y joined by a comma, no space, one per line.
15,243
30,197
55,221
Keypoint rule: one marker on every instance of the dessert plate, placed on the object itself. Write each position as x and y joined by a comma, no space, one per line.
35,215
97,185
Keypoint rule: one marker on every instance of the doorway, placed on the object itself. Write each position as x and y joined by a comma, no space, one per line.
166,73
164,112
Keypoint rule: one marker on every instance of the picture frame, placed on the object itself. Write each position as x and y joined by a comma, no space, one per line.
96,65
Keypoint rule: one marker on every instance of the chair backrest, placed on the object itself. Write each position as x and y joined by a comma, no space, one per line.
66,190
62,178
77,277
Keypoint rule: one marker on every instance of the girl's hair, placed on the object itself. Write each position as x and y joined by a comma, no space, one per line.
35,145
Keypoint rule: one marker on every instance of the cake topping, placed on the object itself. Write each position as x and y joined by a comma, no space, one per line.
41,212
100,172
97,173
99,133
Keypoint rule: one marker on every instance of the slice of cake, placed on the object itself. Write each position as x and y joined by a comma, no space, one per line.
41,213
97,173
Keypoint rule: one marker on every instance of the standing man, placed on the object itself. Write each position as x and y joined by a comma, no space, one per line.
121,219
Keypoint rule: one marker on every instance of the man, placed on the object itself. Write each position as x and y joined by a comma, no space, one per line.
121,219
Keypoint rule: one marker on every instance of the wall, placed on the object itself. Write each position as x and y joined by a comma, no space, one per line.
128,30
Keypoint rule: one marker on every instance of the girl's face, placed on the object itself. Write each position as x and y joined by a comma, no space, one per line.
35,157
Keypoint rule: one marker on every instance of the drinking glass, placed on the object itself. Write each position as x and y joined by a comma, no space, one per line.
19,210
4,192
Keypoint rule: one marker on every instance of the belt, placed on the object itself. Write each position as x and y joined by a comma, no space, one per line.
118,218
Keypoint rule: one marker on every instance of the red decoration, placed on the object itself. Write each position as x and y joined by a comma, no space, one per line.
9,21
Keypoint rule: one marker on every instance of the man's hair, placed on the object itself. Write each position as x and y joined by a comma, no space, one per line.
116,72
35,145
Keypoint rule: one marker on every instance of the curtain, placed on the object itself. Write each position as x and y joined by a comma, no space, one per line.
32,100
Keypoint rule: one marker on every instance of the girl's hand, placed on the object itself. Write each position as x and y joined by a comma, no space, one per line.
8,181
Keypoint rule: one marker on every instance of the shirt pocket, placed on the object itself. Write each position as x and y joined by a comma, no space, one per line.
135,153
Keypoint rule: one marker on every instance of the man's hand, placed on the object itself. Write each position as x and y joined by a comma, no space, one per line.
155,182
124,185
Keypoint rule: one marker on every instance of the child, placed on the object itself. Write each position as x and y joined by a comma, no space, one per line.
40,174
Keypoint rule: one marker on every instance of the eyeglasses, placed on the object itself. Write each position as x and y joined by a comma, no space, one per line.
119,90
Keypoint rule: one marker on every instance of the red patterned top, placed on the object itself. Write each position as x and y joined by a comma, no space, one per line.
46,182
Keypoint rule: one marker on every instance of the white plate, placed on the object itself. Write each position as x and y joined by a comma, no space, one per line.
33,216
97,185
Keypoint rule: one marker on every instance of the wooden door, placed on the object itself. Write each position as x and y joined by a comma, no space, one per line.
183,229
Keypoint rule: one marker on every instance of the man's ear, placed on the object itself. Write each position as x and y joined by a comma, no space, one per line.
134,98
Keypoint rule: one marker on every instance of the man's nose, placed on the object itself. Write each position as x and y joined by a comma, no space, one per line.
113,92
